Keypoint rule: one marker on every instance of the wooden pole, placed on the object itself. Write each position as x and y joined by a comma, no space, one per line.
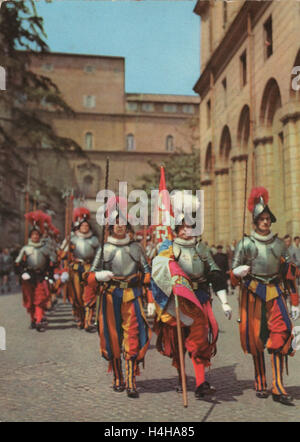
27,202
181,356
67,215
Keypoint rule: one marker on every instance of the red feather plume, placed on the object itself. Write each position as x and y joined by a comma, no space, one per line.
81,212
37,218
255,195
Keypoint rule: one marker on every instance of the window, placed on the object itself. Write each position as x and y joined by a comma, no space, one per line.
170,143
130,143
268,38
88,141
148,107
89,68
225,14
243,68
170,108
188,109
131,106
87,186
89,101
47,67
224,84
45,143
208,111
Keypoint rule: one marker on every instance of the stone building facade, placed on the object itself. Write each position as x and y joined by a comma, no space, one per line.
249,112
129,128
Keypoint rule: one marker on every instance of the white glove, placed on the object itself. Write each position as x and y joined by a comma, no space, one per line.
64,277
25,276
241,271
151,309
222,295
104,275
56,276
295,312
51,281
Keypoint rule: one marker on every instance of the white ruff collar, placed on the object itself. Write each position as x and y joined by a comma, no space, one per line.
119,242
185,242
261,237
83,235
35,244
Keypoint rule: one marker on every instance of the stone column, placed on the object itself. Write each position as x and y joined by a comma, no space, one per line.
222,206
292,173
208,233
238,196
264,162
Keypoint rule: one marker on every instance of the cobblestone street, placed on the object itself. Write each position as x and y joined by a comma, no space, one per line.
59,376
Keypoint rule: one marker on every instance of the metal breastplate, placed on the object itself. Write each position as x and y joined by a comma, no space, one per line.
189,260
265,257
85,248
120,259
36,257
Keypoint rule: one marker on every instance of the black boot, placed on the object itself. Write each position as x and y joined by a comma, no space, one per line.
32,325
284,399
263,394
91,329
203,390
118,388
44,322
133,393
40,327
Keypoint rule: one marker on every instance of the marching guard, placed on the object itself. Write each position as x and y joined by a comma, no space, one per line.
83,246
121,269
184,267
35,264
263,268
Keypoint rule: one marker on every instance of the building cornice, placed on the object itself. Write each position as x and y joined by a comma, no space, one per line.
230,43
124,115
223,171
206,182
293,116
263,140
68,54
201,7
241,157
95,152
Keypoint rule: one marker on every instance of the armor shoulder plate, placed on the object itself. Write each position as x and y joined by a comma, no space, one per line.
109,252
245,252
135,251
20,255
202,250
279,249
176,251
207,257
95,242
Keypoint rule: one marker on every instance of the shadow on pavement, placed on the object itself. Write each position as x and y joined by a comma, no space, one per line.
223,379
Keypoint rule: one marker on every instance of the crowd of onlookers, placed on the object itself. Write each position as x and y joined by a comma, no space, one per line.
8,279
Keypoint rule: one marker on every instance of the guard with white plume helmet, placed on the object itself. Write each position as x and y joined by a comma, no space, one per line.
185,267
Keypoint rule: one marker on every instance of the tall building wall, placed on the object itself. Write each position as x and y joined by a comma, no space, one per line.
255,117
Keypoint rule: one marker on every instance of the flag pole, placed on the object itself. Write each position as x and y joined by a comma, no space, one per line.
181,355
